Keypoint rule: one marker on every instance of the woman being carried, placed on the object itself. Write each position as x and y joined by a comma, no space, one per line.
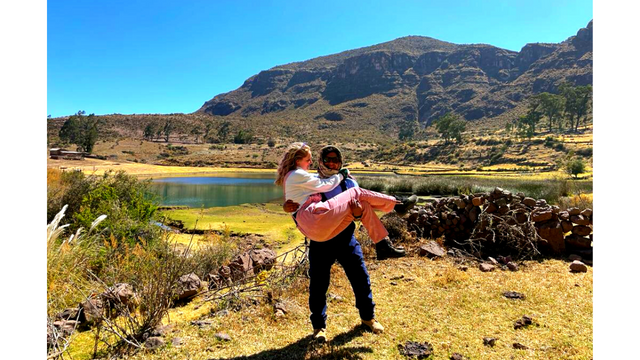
322,220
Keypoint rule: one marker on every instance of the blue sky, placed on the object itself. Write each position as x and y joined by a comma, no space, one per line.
169,56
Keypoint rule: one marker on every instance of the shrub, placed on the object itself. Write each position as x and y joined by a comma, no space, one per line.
243,137
575,167
586,152
127,202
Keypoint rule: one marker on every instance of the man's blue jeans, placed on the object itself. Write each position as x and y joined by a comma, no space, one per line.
345,249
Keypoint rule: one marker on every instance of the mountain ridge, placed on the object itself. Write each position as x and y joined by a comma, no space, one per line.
428,76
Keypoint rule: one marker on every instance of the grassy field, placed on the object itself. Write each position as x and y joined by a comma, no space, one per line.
267,219
417,300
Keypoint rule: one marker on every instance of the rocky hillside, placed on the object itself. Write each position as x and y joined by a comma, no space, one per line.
409,79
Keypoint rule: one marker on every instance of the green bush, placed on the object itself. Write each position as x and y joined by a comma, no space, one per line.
127,202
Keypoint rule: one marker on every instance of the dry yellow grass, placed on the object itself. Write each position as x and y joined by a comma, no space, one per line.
431,301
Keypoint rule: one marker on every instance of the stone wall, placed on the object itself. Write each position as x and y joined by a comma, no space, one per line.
488,217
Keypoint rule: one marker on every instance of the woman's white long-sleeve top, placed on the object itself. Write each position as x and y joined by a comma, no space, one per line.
301,184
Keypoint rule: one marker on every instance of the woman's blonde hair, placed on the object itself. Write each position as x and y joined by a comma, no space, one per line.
295,151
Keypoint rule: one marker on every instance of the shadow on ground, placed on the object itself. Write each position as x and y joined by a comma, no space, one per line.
307,348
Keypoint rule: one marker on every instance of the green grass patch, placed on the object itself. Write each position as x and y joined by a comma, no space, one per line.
265,219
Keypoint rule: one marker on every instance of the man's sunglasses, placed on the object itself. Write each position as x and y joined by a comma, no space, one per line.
332,159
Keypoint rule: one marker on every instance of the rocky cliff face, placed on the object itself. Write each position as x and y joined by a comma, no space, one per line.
424,77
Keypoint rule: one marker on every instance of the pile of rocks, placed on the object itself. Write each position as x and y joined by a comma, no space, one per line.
480,215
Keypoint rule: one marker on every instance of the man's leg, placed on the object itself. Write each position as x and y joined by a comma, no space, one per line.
355,268
321,258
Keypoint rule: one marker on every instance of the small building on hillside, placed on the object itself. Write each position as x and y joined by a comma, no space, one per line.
59,153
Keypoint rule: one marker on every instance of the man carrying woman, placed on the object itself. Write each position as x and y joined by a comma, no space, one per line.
330,203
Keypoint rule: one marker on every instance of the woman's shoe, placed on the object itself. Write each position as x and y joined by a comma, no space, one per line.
385,250
406,205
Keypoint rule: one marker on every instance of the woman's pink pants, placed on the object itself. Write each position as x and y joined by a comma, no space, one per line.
323,220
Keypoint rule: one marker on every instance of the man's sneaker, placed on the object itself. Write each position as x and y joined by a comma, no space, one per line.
385,250
373,325
319,335
406,205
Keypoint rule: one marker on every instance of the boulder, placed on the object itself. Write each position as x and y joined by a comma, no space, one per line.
512,266
579,219
530,202
65,327
566,226
432,249
241,267
492,261
581,230
413,349
541,215
188,285
68,314
154,343
491,208
91,311
120,294
523,322
564,215
476,201
578,266
263,259
514,295
586,213
578,241
554,237
574,211
222,336
457,356
489,341
573,257
484,267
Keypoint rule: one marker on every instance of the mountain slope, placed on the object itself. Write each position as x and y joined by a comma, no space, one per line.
410,79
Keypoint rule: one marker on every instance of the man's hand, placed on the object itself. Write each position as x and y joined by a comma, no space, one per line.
344,171
290,206
356,208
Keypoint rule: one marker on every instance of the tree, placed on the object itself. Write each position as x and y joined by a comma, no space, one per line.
450,127
551,106
577,103
575,167
407,130
196,132
167,130
80,130
150,130
223,131
243,137
208,126
583,103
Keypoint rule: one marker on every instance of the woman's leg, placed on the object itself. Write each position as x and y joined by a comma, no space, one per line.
324,220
